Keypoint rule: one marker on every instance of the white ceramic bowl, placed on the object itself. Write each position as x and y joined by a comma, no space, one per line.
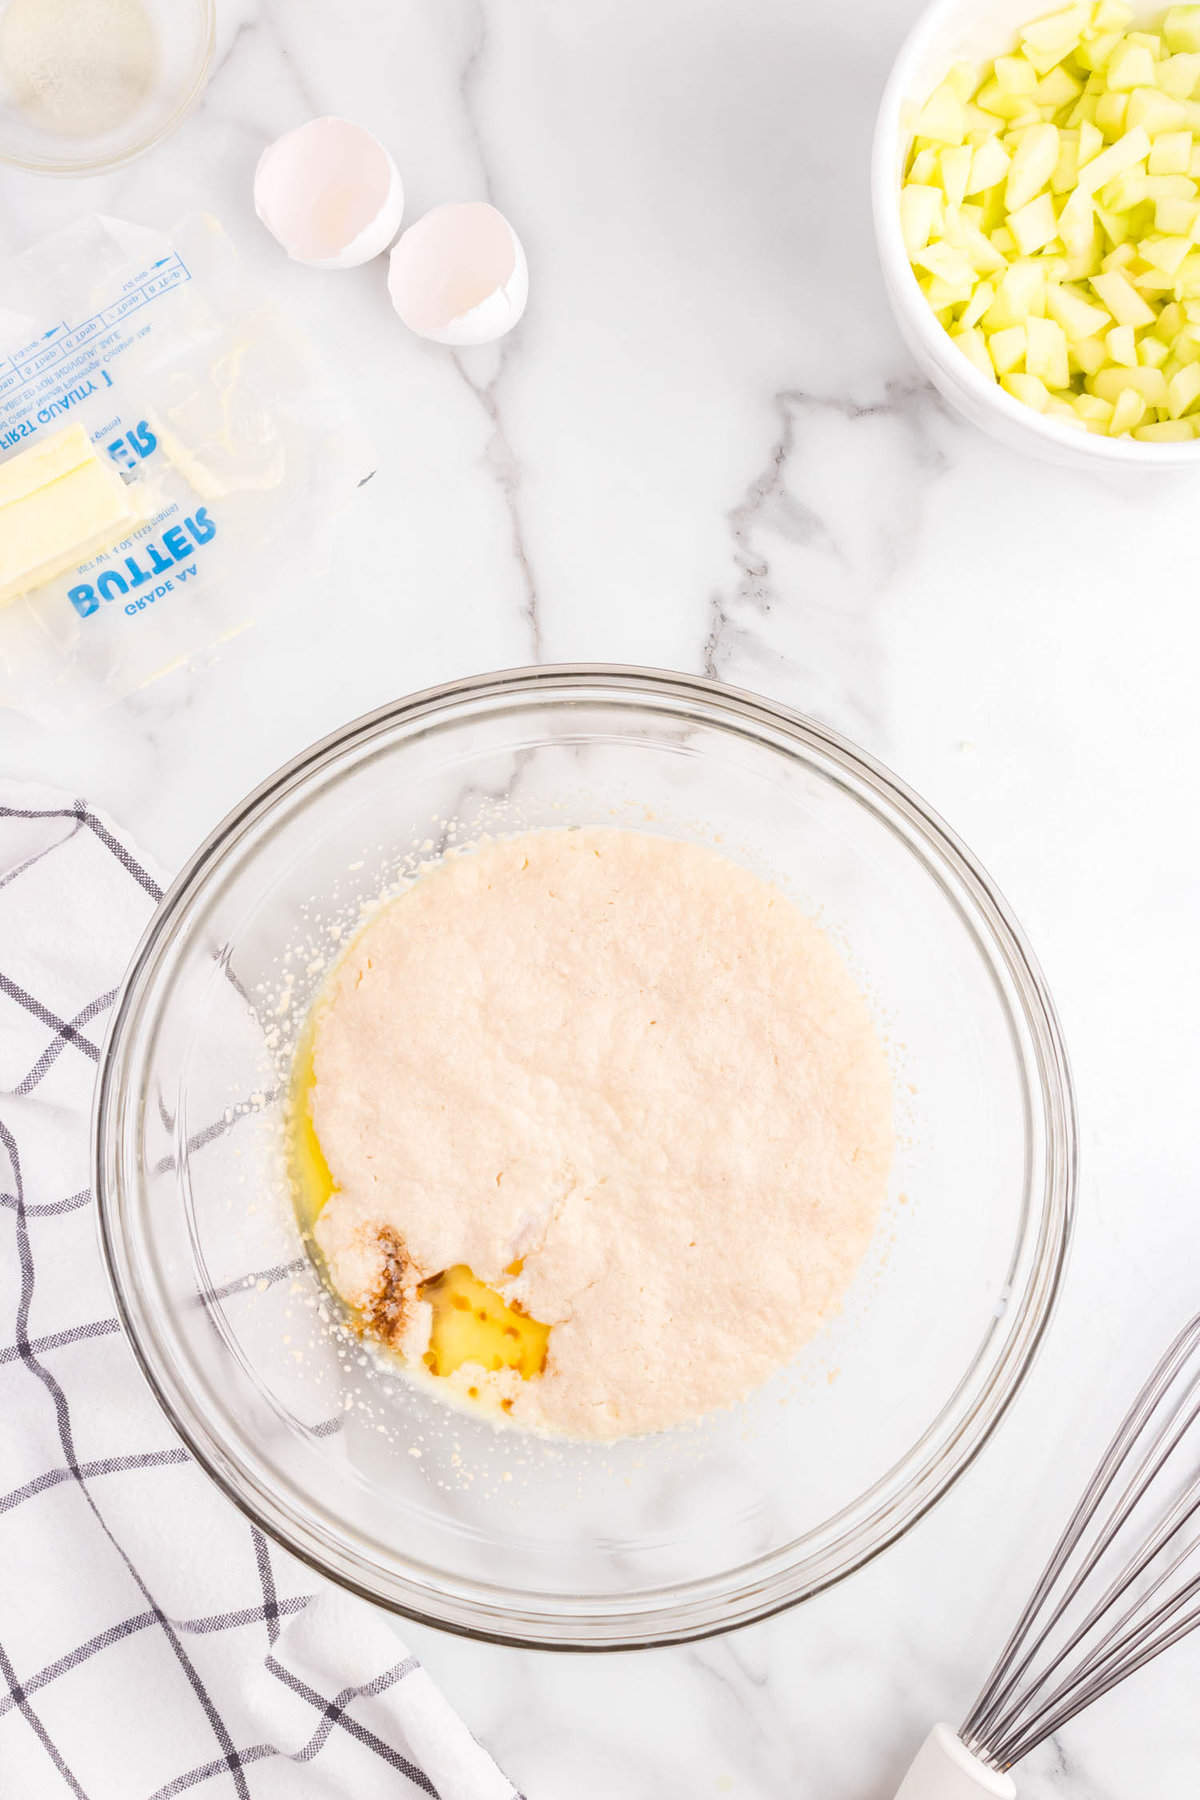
950,31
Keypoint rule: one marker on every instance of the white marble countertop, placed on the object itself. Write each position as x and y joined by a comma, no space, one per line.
706,448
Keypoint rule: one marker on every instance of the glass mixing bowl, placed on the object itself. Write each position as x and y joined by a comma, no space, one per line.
86,85
493,1532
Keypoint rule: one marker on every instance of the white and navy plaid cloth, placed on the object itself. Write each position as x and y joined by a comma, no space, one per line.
152,1643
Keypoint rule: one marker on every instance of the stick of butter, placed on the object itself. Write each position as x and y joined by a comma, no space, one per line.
60,502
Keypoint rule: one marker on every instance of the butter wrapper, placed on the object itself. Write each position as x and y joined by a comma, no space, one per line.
170,446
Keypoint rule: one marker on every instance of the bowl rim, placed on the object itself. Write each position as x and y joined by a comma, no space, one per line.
206,12
1051,1205
934,23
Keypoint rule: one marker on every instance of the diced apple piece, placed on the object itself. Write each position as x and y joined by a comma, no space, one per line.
1177,218
1154,111
947,263
941,118
1034,226
1171,153
1165,431
1007,348
978,304
1124,192
1111,110
1183,390
954,166
1130,66
920,214
1077,222
992,207
1046,352
1129,410
1152,283
992,98
1170,187
1078,317
1015,75
1020,294
1032,166
1094,52
1112,15
1004,241
1088,354
1118,226
974,347
963,79
1123,302
1085,262
1090,406
1066,169
1091,141
963,235
1027,388
1119,257
1055,36
1058,88
1126,153
989,166
1122,346
1165,253
1170,322
1187,281
1179,75
1151,384
924,168
1152,353
1181,28
947,294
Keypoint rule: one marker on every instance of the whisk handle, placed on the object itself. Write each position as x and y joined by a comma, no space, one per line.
945,1770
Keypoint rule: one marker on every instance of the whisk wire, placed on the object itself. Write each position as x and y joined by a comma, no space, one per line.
1007,1673
1080,1690
1137,1488
1008,1719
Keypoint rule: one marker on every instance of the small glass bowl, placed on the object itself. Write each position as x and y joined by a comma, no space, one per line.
167,64
492,1532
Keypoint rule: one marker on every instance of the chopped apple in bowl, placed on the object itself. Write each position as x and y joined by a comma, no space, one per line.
1051,213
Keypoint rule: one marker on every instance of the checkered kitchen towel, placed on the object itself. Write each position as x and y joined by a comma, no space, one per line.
152,1642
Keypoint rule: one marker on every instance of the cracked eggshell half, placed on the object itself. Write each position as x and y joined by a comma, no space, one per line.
459,275
329,193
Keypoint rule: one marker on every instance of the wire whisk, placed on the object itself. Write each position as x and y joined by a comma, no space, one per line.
1122,1585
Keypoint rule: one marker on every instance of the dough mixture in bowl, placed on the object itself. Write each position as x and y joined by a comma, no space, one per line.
607,1128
